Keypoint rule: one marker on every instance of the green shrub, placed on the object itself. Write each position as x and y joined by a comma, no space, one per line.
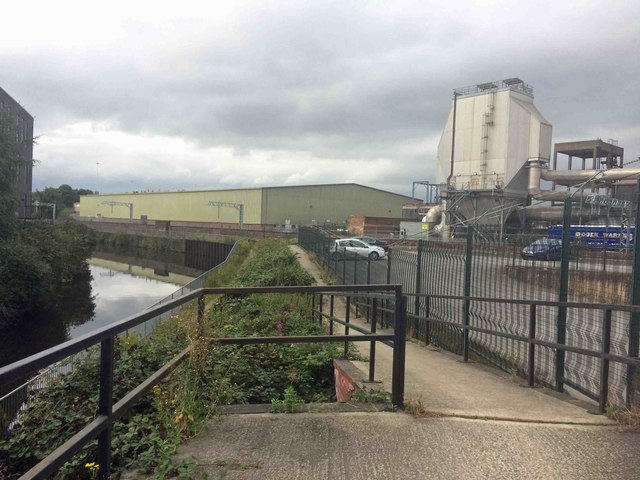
37,265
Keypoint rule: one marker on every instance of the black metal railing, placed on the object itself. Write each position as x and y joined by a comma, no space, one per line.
108,412
531,340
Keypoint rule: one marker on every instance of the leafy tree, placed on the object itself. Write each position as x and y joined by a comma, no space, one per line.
64,196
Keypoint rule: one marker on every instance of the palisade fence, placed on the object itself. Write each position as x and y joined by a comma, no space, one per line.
12,403
488,265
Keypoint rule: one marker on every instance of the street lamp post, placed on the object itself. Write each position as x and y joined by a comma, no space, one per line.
97,178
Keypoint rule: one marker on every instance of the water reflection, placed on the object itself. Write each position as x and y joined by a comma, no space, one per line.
107,292
119,294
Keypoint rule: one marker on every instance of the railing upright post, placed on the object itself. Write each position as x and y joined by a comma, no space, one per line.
105,405
604,362
372,345
531,359
331,315
400,334
320,302
385,315
355,282
347,315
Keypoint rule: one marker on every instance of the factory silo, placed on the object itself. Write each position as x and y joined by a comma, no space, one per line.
492,131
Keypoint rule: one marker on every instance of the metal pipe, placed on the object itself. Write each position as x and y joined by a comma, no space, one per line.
576,177
434,215
549,214
453,136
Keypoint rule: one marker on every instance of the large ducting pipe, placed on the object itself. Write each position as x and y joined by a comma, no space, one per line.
536,169
588,178
548,214
584,178
433,216
539,213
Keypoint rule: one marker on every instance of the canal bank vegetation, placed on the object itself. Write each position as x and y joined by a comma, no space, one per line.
38,262
129,241
148,436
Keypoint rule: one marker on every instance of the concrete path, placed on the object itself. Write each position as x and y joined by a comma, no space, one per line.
445,385
389,446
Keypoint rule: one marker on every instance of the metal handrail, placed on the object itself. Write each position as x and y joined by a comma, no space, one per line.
14,400
101,427
544,303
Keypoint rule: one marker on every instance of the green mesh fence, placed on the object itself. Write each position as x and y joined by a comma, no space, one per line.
498,270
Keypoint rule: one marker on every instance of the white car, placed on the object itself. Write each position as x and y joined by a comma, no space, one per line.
352,246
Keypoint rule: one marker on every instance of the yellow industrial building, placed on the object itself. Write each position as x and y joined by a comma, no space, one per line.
297,205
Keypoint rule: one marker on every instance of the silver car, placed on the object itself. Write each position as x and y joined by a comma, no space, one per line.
352,246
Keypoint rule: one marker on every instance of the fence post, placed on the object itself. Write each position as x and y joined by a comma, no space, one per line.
387,303
355,282
604,362
372,346
467,292
355,269
427,325
399,346
561,324
105,405
634,320
416,306
320,301
532,347
344,268
369,283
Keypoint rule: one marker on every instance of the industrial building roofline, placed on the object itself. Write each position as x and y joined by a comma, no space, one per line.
514,84
160,192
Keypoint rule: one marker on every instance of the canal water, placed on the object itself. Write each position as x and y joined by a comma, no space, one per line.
121,285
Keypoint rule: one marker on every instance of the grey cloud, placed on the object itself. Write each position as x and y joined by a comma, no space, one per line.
340,80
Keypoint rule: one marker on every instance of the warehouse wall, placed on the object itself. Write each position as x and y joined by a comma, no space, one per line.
303,204
185,206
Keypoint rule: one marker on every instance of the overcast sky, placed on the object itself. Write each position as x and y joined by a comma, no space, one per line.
196,95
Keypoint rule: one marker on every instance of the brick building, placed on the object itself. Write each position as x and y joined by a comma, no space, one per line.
23,125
